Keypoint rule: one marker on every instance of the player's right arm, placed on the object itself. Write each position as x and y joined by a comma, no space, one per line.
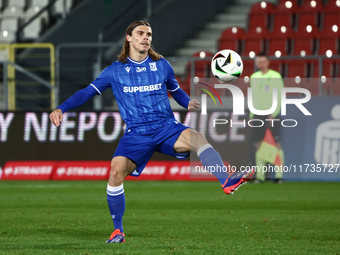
76,100
101,83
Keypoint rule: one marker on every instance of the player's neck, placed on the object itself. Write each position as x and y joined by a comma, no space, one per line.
264,71
138,56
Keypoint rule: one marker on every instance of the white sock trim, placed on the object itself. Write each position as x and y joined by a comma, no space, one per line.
203,148
115,191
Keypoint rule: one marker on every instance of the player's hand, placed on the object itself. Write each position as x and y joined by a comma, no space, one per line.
56,117
194,104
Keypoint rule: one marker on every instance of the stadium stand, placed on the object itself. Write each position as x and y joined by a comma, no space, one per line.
279,41
8,28
309,13
255,41
23,11
14,9
58,6
286,28
259,15
35,7
231,38
284,14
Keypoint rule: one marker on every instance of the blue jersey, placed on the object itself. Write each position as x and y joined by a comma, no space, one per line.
140,89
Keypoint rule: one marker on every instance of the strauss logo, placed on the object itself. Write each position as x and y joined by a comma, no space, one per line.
8,170
61,170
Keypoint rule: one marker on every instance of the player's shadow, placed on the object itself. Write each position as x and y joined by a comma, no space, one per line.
74,234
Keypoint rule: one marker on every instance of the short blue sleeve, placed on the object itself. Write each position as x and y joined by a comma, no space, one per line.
103,80
171,82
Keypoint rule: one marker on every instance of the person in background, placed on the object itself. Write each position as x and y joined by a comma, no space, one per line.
261,152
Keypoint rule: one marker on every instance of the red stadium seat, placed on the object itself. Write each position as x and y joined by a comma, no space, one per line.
279,40
309,13
202,67
259,15
282,19
185,84
231,38
296,67
328,68
337,69
331,5
283,1
303,42
331,87
304,19
255,40
277,65
313,85
328,39
283,14
311,6
329,18
248,68
328,87
330,14
302,46
336,88
327,43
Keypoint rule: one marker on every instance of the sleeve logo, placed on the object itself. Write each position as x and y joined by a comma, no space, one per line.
153,66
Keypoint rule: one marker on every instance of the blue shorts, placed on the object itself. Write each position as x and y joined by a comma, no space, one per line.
139,147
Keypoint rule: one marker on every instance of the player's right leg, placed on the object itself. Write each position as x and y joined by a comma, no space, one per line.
121,167
192,140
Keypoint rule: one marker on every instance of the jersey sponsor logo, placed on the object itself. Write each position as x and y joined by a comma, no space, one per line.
140,69
153,66
142,88
127,69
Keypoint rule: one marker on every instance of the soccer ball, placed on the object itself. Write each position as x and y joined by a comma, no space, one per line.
226,65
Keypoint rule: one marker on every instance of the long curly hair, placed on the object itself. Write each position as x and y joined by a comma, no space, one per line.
126,46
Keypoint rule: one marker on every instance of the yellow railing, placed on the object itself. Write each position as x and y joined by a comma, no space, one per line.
11,49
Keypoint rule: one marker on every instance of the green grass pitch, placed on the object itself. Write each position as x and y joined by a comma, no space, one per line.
171,217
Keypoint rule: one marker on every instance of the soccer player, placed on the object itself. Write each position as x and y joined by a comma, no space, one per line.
262,83
139,80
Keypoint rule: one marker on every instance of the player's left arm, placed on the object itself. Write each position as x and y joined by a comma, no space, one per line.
177,93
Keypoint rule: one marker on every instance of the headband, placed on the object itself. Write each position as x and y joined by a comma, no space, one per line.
137,26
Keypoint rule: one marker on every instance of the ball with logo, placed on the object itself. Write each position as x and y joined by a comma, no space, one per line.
226,65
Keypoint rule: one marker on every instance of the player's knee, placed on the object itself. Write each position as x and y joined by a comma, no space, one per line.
201,138
116,173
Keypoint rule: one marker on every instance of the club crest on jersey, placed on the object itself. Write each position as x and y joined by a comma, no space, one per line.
127,69
153,66
140,69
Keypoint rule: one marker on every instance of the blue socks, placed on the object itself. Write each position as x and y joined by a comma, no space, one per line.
116,201
212,162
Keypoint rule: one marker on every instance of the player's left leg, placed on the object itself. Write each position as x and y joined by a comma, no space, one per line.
120,168
193,140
